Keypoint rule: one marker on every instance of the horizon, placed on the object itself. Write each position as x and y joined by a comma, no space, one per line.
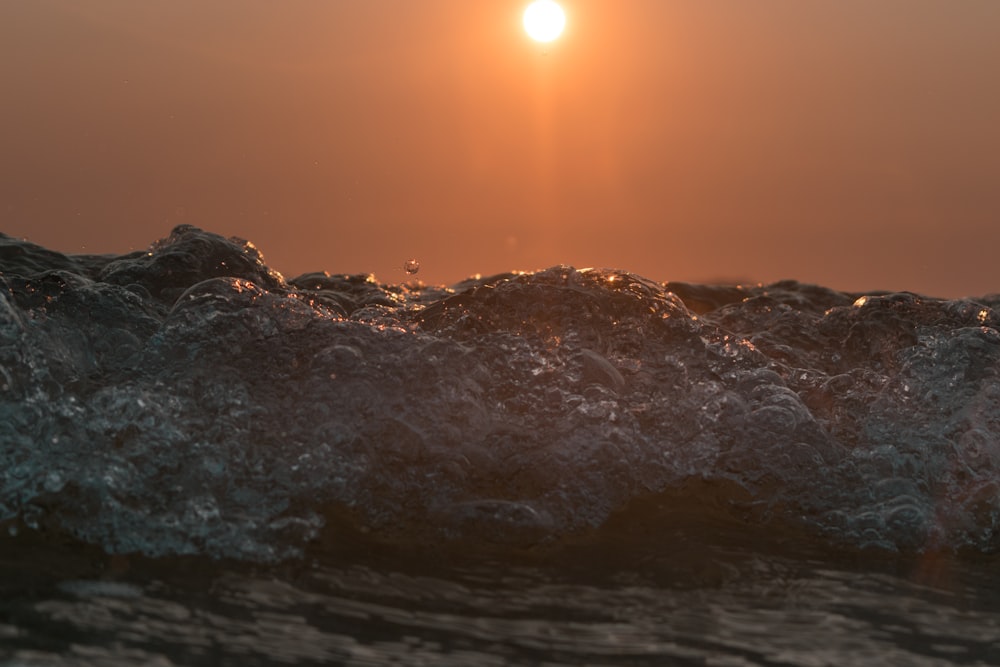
851,145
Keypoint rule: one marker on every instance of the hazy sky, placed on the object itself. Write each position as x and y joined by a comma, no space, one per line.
852,143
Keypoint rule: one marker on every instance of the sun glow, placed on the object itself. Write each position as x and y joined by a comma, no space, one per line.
544,20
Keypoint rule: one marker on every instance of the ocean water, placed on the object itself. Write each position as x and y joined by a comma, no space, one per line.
203,462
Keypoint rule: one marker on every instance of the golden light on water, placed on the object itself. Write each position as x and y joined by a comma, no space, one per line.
544,20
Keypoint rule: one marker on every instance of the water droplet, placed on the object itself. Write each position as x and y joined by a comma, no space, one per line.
411,266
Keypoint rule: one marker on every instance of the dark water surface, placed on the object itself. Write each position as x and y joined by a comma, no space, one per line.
203,462
731,606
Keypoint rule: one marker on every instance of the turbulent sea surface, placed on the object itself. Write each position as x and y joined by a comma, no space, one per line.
203,462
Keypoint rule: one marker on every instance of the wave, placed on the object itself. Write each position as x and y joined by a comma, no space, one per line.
188,399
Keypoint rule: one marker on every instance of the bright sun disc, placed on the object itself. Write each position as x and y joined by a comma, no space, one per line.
544,20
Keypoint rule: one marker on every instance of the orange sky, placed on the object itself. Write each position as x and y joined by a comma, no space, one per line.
854,143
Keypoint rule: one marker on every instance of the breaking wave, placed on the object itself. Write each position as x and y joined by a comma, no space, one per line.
190,400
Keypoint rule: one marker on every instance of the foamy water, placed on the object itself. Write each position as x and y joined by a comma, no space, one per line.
652,471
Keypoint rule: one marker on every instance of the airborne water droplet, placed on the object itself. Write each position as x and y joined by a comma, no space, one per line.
411,266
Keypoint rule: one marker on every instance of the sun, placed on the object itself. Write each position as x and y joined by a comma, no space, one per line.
544,20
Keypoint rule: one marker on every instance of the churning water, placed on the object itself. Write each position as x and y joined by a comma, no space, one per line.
202,462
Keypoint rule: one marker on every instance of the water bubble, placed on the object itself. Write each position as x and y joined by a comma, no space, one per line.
54,482
32,518
411,266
